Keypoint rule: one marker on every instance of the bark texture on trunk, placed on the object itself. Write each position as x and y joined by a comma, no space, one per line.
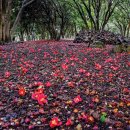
5,22
0,20
5,18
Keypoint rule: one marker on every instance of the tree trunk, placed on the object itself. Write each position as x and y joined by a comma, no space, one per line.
25,4
42,32
53,33
128,29
5,14
43,35
28,34
21,36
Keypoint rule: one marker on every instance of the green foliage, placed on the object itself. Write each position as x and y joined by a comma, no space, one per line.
121,18
99,44
122,48
68,17
128,49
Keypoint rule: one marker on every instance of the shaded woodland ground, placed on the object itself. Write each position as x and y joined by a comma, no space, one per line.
63,85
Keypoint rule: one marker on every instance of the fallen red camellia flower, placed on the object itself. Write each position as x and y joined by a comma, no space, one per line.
55,122
87,74
42,99
71,84
48,84
90,119
35,95
7,74
64,66
128,63
24,70
22,91
38,84
98,66
114,68
77,99
69,122
82,70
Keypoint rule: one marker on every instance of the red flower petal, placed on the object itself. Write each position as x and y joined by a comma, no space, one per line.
69,122
98,66
77,99
21,91
64,66
55,122
48,84
7,74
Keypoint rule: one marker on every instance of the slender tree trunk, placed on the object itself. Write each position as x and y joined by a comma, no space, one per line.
128,29
17,20
28,34
75,29
81,13
53,33
43,35
21,35
6,26
5,14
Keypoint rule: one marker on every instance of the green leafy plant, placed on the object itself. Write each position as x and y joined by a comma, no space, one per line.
122,48
99,44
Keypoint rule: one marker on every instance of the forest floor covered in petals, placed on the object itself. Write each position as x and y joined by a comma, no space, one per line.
65,86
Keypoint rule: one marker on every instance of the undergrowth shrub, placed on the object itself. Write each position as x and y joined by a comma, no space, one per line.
122,48
99,44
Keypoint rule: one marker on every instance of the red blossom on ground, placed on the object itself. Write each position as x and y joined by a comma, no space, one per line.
42,99
87,74
71,84
114,68
83,116
108,60
24,70
64,67
90,119
98,66
35,95
22,91
55,122
38,84
110,75
82,70
7,74
69,122
77,99
128,63
48,84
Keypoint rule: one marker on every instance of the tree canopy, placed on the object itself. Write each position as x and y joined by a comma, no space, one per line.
55,19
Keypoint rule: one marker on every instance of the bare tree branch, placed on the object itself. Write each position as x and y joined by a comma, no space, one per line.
25,4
